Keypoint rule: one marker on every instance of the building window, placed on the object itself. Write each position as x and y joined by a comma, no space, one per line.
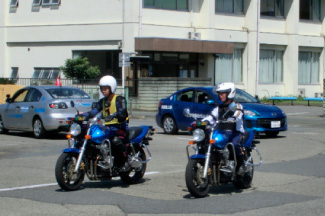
229,6
273,8
181,5
13,3
271,66
46,73
51,2
229,67
308,68
14,74
36,2
310,10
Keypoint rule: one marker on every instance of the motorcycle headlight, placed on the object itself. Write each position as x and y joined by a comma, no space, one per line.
198,135
75,129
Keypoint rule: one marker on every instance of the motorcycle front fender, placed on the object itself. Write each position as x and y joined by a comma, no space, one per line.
71,150
198,156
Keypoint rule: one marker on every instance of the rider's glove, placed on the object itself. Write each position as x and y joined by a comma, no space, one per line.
109,118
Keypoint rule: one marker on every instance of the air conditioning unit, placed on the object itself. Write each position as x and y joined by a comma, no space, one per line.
194,35
301,92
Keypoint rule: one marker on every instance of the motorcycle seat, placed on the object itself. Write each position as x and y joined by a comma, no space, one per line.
134,131
246,137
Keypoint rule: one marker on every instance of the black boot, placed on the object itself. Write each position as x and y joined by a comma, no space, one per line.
241,166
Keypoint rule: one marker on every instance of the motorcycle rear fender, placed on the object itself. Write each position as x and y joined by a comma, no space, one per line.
198,156
71,150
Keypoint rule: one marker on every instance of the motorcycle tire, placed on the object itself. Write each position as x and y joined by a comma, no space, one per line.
64,172
245,181
197,186
135,175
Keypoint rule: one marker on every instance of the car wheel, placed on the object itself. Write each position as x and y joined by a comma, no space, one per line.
271,133
38,128
169,125
3,130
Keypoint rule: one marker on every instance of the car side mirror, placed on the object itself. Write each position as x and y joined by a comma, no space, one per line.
8,99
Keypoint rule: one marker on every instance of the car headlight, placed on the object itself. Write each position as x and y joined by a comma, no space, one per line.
198,135
250,113
75,129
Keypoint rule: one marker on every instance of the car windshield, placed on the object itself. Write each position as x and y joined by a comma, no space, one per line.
67,93
244,97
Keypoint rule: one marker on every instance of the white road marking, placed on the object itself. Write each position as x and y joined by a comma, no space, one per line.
47,185
298,113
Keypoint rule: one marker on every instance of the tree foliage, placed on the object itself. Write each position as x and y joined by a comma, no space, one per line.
80,68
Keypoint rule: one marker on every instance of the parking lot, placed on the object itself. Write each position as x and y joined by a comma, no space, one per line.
291,180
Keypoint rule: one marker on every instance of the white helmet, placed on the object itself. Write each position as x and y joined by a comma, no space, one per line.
108,81
227,87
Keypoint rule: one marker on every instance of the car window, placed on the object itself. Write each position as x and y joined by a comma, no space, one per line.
20,96
244,97
201,97
68,93
185,96
33,95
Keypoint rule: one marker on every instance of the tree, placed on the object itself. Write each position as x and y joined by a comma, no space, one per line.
80,68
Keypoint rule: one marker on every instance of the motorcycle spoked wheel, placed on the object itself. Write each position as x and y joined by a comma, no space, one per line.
64,172
135,175
245,181
197,186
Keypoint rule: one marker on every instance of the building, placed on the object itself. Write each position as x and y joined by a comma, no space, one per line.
217,40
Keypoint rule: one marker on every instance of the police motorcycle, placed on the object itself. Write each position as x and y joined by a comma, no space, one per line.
90,153
214,160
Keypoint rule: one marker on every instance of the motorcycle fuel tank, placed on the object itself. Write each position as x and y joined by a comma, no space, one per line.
221,137
99,133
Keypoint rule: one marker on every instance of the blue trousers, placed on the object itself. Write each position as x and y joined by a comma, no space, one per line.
235,139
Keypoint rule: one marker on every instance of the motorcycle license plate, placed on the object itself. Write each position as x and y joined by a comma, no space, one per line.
275,124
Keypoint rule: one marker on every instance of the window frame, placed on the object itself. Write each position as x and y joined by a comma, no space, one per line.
44,70
311,11
233,66
311,59
37,2
275,51
51,2
276,7
160,8
233,8
14,3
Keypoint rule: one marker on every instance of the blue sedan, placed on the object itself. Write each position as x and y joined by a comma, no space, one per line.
264,118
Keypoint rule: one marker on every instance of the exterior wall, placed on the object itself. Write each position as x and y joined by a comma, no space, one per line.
46,36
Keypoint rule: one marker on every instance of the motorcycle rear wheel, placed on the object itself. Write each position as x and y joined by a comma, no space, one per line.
135,175
64,172
197,186
245,181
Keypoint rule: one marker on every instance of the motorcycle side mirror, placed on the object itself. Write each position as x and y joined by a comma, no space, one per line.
72,103
187,112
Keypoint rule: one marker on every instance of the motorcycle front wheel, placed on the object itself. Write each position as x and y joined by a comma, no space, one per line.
64,172
136,174
196,184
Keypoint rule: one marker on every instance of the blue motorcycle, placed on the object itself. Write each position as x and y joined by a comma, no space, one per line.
90,153
214,159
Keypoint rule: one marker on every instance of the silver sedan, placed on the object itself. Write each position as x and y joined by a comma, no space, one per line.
42,109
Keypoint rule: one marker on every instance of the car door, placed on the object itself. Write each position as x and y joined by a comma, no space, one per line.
184,99
31,104
15,110
201,108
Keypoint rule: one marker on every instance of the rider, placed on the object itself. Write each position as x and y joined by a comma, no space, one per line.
116,116
226,92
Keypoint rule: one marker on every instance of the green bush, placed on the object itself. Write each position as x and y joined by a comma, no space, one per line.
6,81
80,69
